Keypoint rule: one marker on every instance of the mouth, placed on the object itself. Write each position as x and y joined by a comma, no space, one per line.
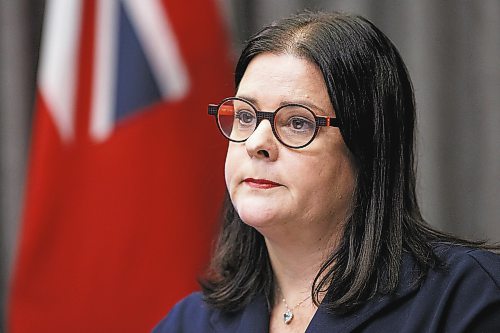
260,183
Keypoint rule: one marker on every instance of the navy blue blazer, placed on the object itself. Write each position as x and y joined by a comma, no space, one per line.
463,297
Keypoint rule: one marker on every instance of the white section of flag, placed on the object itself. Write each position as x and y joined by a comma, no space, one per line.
58,63
104,71
160,45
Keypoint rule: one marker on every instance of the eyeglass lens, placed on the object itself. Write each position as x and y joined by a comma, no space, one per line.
294,125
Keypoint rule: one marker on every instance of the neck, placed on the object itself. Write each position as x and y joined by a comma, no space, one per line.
297,255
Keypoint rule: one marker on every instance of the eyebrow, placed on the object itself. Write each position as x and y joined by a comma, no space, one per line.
286,102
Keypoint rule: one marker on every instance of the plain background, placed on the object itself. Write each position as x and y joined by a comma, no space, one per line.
452,50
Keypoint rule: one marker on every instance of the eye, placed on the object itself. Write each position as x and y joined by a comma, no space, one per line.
297,123
300,124
245,117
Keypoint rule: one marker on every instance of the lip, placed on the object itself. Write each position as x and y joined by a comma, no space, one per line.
261,183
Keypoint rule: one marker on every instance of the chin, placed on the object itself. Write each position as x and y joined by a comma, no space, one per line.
257,216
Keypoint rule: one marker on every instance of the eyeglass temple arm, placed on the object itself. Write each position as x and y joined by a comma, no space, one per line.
212,109
328,121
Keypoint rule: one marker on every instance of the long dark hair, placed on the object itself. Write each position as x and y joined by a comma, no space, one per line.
372,95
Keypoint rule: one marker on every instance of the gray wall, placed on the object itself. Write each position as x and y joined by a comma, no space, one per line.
20,27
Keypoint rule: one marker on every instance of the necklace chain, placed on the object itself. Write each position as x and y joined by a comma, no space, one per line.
296,305
288,314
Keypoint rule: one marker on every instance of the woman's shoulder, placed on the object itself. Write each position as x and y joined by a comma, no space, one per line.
191,314
474,263
461,270
194,315
463,292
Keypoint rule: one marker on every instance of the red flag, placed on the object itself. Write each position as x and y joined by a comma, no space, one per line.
126,169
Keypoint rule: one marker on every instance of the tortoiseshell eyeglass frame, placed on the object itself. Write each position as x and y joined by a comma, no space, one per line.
213,110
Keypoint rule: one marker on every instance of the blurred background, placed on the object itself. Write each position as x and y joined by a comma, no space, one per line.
452,50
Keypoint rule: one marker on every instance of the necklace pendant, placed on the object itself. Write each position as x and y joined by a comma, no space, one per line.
288,316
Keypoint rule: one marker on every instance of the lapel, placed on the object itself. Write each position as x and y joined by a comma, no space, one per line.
255,316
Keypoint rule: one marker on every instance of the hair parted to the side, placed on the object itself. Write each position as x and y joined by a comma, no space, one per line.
371,93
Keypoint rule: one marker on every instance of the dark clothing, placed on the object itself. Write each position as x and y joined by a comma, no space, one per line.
464,296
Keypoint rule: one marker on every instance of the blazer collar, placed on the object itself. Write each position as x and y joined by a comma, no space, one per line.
255,316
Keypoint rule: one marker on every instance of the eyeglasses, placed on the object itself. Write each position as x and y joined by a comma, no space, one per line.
294,125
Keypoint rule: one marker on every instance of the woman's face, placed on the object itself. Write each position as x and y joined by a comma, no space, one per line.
311,185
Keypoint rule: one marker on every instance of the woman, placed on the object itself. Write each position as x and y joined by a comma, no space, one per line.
322,230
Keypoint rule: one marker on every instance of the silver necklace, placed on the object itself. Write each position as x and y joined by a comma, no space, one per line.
288,314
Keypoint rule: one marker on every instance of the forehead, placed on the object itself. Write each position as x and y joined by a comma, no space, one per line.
271,80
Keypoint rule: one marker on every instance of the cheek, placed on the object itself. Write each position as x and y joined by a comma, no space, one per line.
230,166
330,181
341,179
228,175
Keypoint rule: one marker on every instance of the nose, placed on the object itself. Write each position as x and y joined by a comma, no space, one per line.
262,143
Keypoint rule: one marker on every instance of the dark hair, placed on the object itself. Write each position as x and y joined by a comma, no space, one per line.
371,92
